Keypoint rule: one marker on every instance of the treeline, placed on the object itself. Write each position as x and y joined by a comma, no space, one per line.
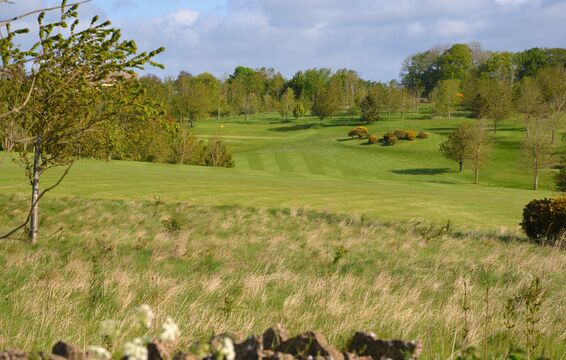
423,71
319,92
323,93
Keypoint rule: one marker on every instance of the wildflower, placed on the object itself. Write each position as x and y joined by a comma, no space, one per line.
135,350
98,352
145,316
108,329
170,331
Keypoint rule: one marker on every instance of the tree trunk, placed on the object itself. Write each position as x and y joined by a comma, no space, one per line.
535,171
34,220
477,174
461,163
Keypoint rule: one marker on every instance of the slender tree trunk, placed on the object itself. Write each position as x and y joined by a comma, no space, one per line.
535,171
477,174
495,126
34,220
461,163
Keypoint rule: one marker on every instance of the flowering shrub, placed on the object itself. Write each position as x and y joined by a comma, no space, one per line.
360,131
410,135
389,139
400,134
422,135
372,139
544,220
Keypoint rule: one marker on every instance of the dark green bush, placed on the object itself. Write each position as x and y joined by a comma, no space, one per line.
422,135
372,139
544,220
389,139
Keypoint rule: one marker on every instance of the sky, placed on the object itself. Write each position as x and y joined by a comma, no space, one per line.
372,37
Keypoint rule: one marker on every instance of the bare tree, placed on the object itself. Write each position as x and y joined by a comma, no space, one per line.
480,146
538,148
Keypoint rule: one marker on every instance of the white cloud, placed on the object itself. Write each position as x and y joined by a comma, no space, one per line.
184,17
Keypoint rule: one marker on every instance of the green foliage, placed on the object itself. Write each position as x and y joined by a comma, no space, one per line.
488,98
217,155
327,102
370,107
299,111
445,97
459,145
544,220
287,103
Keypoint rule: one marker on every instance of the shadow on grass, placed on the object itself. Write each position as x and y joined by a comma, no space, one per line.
348,139
295,127
423,171
298,127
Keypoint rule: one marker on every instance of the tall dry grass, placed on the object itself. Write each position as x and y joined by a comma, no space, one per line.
241,270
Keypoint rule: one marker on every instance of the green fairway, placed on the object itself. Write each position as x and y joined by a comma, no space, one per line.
303,164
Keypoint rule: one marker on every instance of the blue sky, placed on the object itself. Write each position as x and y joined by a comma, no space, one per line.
370,36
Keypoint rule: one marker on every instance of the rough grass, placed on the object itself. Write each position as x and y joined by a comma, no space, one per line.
243,269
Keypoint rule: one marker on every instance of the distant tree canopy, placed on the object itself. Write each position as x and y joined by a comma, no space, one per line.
424,70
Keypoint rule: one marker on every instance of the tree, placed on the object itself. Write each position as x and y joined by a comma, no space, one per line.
299,111
80,81
468,142
458,145
194,96
445,96
327,102
529,100
552,83
287,103
370,107
538,147
479,139
489,99
456,62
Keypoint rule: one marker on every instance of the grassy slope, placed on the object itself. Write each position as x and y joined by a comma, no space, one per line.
240,269
305,165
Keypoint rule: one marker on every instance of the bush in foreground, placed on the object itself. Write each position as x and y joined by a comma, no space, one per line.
544,220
